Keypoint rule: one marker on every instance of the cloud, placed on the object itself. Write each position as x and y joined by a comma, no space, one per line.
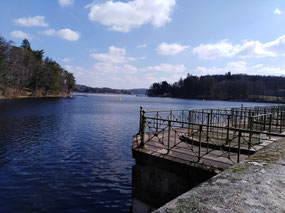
65,34
170,49
164,67
247,49
113,69
241,67
109,68
277,11
142,46
67,59
123,16
20,34
65,3
213,51
35,21
105,74
114,56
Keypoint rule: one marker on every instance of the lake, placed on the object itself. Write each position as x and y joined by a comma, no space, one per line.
74,154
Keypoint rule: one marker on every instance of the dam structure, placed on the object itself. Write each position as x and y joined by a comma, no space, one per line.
176,150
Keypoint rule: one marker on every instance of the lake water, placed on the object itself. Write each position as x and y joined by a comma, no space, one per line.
73,154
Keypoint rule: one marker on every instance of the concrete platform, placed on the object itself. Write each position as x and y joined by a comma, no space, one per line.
255,185
215,159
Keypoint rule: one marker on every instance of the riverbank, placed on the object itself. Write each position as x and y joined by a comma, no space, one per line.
11,94
255,98
46,96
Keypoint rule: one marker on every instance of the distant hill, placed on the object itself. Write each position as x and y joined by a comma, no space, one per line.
140,91
106,90
224,87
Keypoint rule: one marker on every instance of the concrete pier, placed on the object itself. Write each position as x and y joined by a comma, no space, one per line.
255,185
182,150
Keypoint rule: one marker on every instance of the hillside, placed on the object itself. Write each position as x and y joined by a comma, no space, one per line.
224,87
106,90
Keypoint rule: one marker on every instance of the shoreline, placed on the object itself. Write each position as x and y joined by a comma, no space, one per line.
220,99
28,96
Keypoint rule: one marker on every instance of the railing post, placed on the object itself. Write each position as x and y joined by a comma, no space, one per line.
182,118
218,117
207,137
248,119
236,119
250,133
189,120
270,122
140,127
264,123
277,119
211,119
281,121
200,138
228,131
143,128
157,121
168,139
244,115
239,137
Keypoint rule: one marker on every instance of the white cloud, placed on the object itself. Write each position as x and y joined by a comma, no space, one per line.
68,34
247,49
212,51
35,21
65,34
241,67
170,49
277,11
78,71
167,68
123,16
114,56
113,69
49,32
20,34
142,46
108,68
67,59
65,3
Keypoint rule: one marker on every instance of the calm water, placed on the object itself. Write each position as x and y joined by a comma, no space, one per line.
73,154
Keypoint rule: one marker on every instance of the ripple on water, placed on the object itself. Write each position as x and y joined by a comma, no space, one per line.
72,155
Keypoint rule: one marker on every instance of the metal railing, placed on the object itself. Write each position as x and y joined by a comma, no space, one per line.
226,132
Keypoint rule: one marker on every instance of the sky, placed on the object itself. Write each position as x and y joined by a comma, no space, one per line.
132,44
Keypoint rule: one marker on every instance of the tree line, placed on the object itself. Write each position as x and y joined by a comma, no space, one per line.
26,71
104,90
221,87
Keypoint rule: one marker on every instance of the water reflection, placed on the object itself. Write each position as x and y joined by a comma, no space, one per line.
71,154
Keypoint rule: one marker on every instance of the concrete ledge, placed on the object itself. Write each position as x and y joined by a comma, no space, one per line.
255,185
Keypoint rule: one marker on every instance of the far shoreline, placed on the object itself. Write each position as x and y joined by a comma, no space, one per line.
28,96
212,99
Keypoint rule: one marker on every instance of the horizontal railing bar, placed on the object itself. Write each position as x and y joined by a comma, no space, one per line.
218,127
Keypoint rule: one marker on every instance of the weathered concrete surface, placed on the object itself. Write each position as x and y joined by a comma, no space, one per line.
156,181
255,185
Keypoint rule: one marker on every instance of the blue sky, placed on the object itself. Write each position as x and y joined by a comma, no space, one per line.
131,44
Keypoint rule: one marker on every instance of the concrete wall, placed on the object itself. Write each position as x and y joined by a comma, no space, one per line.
156,181
256,185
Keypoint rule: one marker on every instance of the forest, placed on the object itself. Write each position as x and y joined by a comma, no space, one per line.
104,90
26,72
223,87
